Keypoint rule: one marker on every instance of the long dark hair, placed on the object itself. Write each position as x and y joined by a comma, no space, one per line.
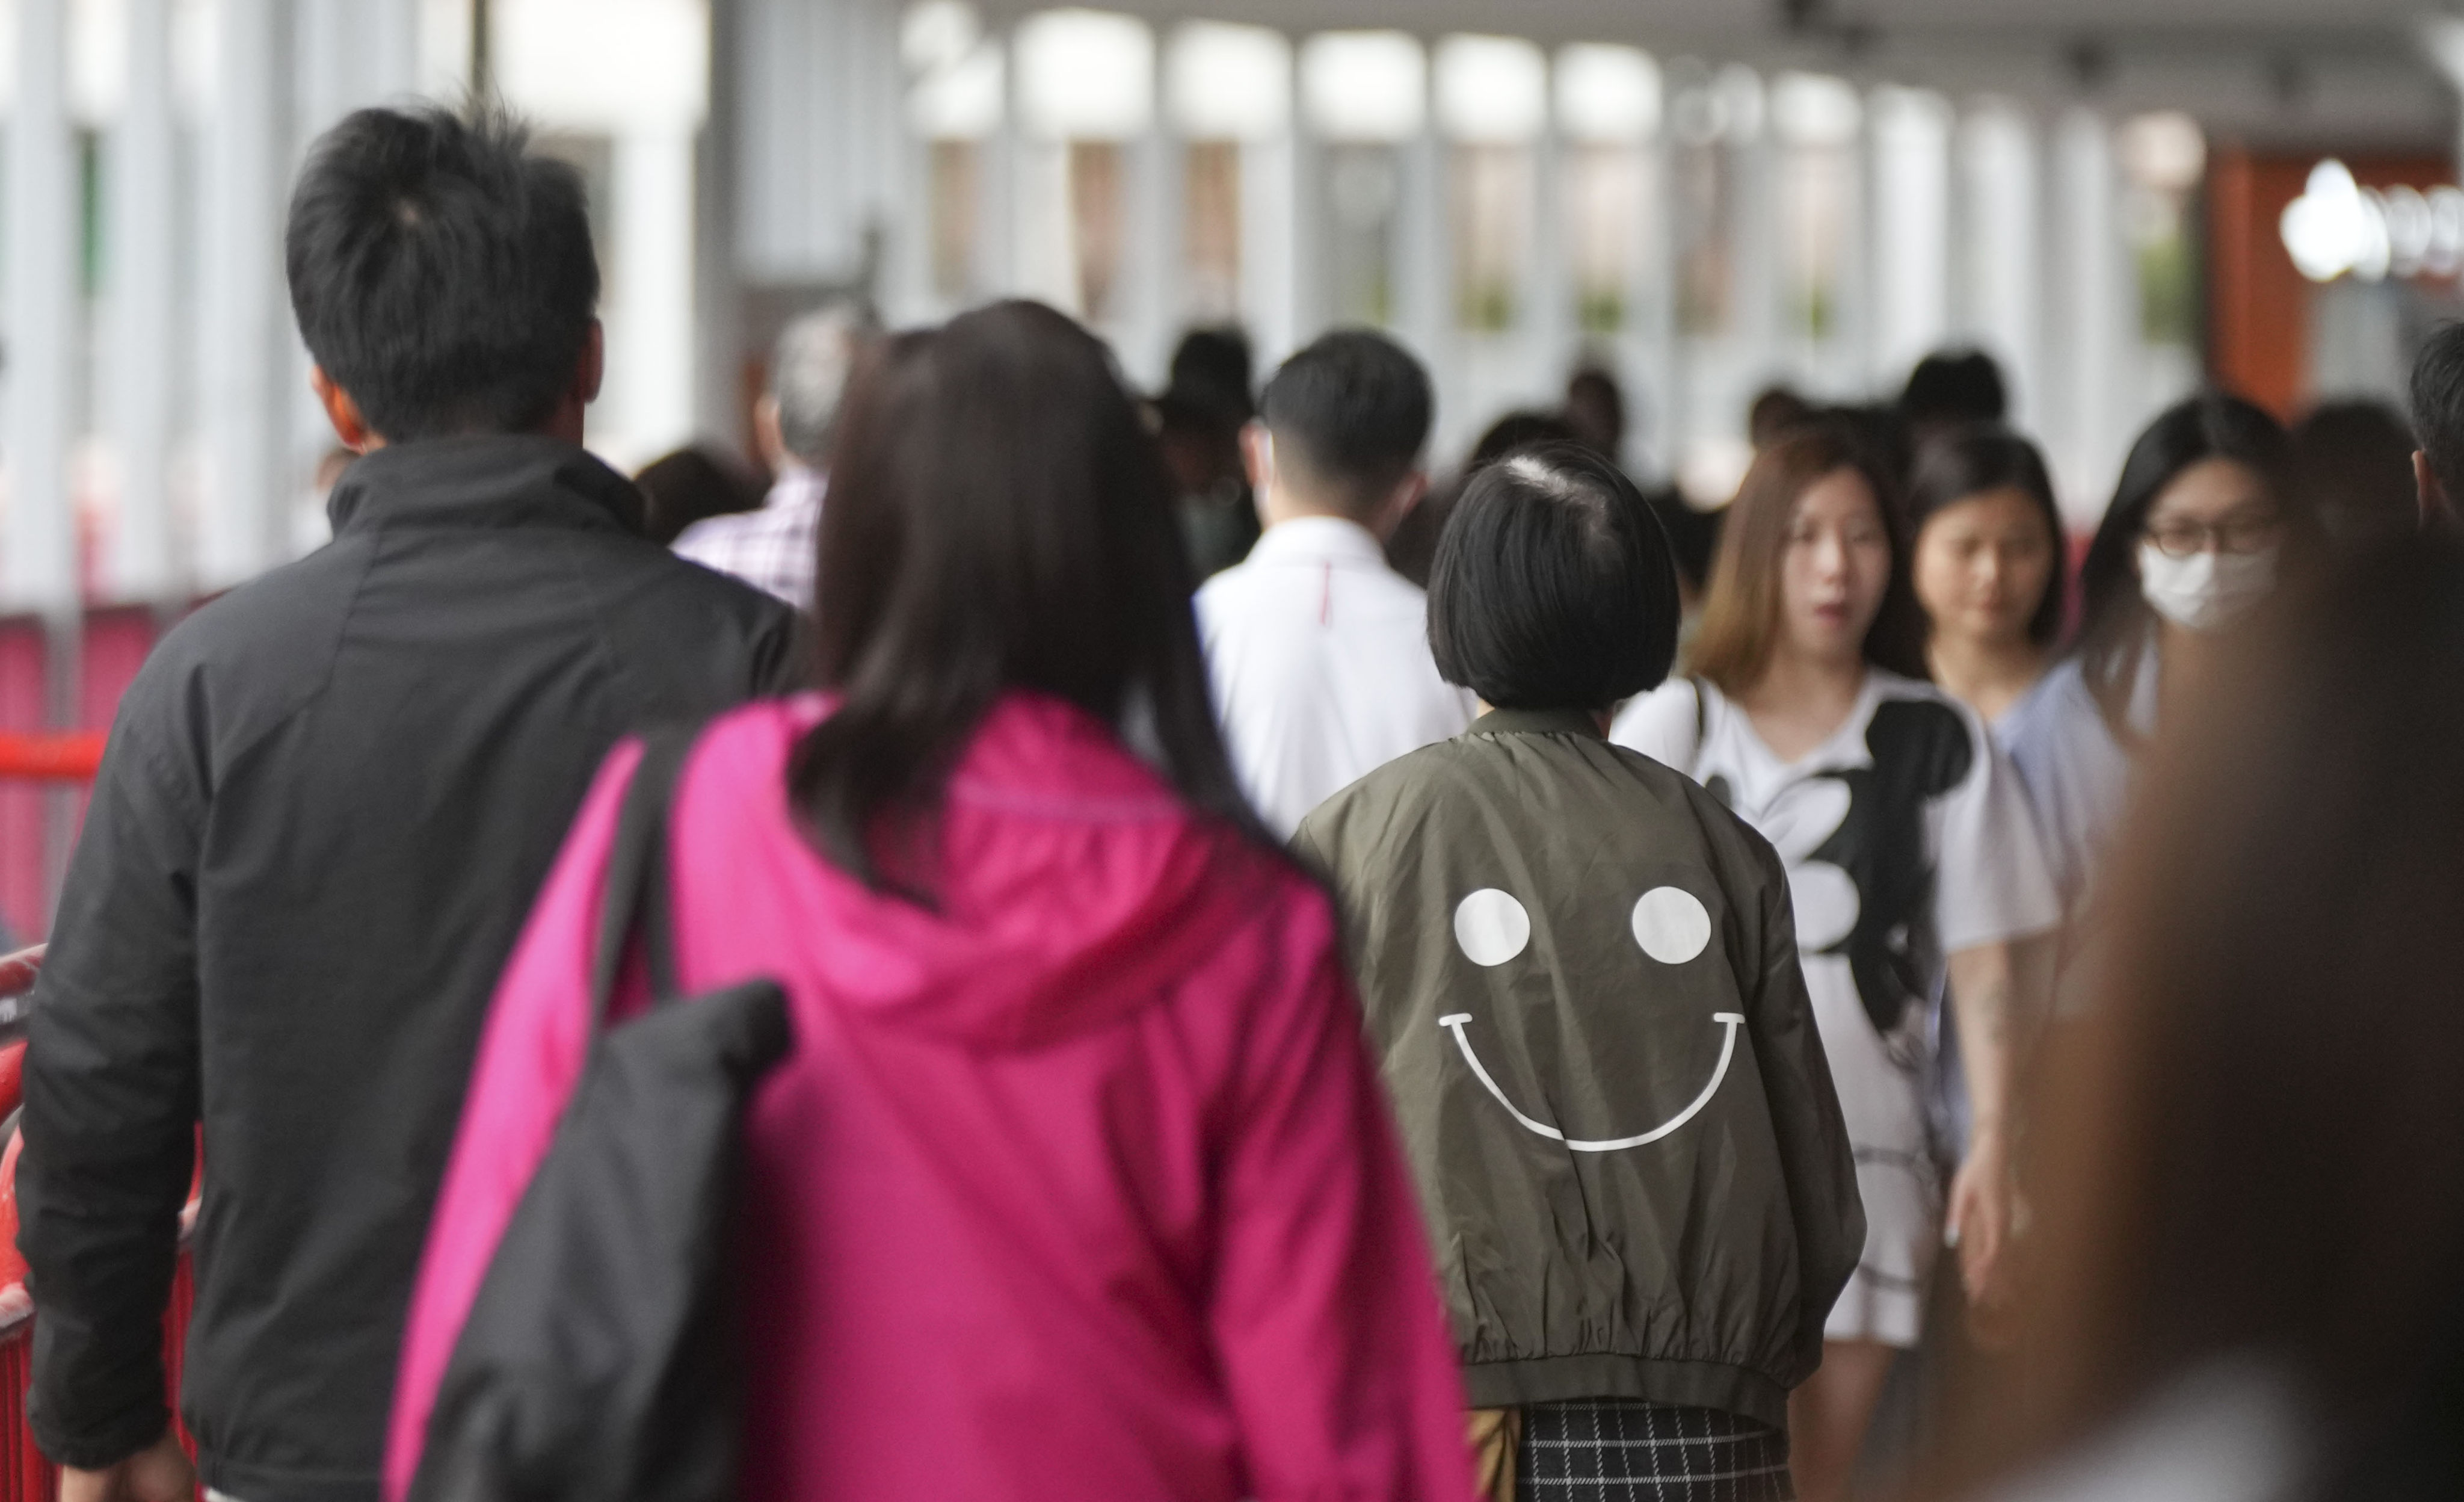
2213,425
998,519
2251,1143
1741,619
1970,461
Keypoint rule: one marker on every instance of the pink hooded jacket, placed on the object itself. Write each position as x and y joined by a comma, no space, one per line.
1081,1186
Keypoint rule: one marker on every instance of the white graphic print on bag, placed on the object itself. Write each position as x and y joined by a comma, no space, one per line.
1859,874
1671,927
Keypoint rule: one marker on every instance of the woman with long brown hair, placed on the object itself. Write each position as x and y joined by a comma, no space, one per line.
2249,1282
1912,858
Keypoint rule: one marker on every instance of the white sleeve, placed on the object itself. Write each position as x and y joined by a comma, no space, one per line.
1992,881
1664,724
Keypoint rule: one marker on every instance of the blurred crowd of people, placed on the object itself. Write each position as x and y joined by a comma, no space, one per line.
1307,978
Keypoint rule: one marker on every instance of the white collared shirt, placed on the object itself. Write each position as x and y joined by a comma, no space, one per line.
1319,655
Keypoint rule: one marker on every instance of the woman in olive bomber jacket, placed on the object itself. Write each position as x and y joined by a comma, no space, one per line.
1580,977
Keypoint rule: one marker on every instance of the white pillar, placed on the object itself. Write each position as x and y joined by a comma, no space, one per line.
1911,141
2003,276
245,358
38,554
142,562
1425,314
650,349
718,350
1270,255
1658,356
2092,311
1756,266
1552,337
352,53
1152,255
391,32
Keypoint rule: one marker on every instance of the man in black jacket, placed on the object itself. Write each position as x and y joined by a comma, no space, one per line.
326,804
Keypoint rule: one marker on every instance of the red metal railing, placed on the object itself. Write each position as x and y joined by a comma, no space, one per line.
50,756
25,1475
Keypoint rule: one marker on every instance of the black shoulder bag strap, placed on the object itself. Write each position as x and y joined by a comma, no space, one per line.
636,899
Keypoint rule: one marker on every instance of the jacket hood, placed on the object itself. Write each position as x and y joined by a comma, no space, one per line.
1073,883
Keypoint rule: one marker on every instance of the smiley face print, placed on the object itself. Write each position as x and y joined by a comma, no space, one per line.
1670,926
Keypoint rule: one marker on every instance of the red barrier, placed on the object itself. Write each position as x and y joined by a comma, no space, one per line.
25,1475
59,756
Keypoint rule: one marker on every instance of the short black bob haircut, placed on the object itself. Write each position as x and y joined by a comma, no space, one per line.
1357,406
1554,585
441,270
1975,461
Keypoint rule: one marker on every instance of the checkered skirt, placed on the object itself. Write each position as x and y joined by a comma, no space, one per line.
1620,1449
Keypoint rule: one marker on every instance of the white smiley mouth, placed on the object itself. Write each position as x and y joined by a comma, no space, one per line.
1456,1022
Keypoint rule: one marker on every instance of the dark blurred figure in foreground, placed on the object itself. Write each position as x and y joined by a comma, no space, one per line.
2355,461
2252,1281
691,485
1414,548
1199,419
1951,389
2438,396
794,423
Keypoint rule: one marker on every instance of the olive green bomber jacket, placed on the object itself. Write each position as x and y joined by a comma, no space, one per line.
1579,973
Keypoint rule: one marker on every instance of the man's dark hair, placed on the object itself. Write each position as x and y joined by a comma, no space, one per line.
1353,412
2438,407
441,272
1956,387
1554,585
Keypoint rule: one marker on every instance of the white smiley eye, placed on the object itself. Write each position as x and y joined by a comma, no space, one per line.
1491,927
1670,923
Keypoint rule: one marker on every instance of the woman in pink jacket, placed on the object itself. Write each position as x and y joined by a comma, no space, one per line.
1078,1182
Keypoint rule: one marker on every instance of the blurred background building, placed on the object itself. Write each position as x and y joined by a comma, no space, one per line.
2117,198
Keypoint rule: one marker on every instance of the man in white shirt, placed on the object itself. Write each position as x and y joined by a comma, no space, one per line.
1318,652
776,549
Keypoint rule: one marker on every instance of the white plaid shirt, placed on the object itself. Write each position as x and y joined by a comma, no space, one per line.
772,549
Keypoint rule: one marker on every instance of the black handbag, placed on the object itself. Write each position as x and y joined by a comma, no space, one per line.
600,1359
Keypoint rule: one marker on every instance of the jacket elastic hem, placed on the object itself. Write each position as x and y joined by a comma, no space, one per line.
1691,1384
101,1446
260,1483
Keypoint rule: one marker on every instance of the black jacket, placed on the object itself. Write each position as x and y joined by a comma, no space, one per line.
1580,972
327,802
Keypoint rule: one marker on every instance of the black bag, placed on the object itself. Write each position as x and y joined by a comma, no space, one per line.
599,1361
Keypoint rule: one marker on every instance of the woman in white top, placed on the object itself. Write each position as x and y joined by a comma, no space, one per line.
2202,526
1987,567
1911,853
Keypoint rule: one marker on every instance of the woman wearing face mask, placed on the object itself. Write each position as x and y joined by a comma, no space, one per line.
2201,527
1988,567
1910,855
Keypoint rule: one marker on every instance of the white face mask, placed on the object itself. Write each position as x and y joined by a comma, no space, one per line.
2207,590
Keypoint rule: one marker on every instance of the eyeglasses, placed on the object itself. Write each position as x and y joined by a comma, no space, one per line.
2232,535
